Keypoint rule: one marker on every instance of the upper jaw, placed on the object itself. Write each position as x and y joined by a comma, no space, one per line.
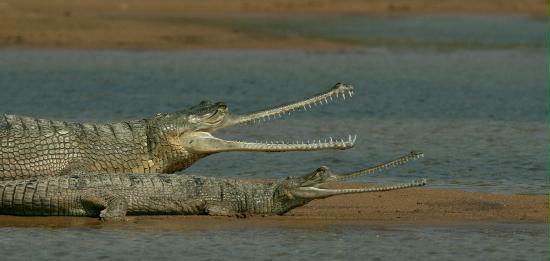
339,90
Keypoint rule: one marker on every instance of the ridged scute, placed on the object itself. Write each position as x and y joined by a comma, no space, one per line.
42,197
39,147
88,194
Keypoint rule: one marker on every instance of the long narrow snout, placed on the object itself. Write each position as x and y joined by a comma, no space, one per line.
316,193
313,191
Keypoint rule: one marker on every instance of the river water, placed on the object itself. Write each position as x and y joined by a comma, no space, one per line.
478,242
480,115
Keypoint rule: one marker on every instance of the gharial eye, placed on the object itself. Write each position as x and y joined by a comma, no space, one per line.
204,103
322,169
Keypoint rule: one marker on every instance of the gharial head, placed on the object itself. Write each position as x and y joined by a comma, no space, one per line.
192,128
297,191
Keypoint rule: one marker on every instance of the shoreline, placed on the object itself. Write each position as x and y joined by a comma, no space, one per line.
418,206
211,24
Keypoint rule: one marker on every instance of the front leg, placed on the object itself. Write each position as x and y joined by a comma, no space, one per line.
113,207
218,210
115,210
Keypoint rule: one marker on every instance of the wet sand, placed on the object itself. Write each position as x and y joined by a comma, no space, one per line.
421,206
167,24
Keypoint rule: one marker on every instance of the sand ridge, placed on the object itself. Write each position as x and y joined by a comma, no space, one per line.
420,206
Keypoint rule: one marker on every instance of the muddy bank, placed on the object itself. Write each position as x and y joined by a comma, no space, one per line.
412,206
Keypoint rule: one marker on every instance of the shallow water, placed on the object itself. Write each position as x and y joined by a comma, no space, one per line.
439,31
481,117
474,242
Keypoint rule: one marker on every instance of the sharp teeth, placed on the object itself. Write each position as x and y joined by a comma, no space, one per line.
350,93
321,143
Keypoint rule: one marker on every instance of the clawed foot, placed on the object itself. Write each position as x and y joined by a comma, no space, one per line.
108,216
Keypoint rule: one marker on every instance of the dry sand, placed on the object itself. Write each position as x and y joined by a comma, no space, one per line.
411,206
196,24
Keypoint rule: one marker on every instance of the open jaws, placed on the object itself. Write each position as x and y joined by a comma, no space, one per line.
204,142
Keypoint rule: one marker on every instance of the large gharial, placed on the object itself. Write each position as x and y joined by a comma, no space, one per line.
112,196
166,143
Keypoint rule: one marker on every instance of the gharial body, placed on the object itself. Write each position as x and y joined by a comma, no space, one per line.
31,147
112,196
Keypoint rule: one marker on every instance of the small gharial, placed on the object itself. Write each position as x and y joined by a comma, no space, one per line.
112,196
166,143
